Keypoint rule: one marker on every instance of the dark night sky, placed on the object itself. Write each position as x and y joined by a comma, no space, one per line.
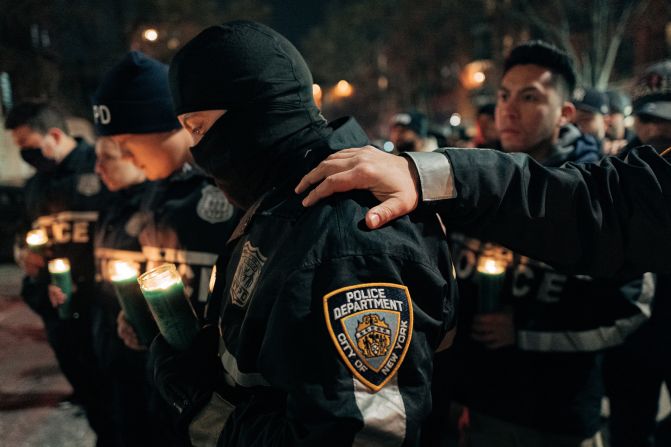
294,18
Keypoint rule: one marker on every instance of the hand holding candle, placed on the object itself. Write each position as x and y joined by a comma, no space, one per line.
124,278
59,269
491,273
163,289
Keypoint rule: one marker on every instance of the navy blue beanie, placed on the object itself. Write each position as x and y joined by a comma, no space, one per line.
134,97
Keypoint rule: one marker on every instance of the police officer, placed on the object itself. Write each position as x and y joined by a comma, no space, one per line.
327,330
591,110
186,219
116,239
189,217
63,198
543,331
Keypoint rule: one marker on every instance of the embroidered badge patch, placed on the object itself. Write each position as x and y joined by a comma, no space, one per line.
371,327
88,185
213,206
246,274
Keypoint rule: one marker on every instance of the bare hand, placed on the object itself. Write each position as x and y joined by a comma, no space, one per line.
494,330
30,262
127,333
56,295
391,179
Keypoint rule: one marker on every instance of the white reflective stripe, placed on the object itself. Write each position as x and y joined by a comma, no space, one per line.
435,175
644,301
180,256
593,339
230,363
90,216
383,414
126,255
208,424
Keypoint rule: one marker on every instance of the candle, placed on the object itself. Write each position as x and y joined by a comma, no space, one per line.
59,269
163,289
491,273
37,240
124,278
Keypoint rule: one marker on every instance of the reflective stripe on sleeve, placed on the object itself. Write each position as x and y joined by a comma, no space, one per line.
383,414
593,339
231,366
89,216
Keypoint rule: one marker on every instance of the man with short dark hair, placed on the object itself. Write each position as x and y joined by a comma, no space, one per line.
63,198
543,329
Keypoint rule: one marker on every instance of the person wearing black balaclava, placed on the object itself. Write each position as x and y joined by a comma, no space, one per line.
326,331
63,198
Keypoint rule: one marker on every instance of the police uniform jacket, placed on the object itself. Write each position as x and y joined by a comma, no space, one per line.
188,223
605,219
328,329
66,202
116,238
551,379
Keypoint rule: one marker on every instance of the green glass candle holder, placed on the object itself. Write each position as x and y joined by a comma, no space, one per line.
163,289
59,269
124,279
491,274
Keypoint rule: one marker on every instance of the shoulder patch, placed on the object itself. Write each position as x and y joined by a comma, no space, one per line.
371,327
88,185
213,206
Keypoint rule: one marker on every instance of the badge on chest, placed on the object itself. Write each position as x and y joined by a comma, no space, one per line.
371,327
246,274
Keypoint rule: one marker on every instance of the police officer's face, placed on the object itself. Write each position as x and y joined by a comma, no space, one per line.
157,154
198,123
404,139
114,170
25,136
529,109
591,123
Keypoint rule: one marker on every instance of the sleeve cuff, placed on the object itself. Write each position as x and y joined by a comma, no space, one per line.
208,424
435,175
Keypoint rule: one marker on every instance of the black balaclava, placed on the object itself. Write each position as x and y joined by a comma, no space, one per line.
262,81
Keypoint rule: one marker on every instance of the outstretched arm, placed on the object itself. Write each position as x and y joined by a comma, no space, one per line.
600,219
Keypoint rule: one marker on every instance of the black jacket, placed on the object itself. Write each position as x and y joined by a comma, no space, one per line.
188,221
294,373
66,203
604,219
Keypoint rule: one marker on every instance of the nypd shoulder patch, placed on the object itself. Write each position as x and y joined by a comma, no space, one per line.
371,327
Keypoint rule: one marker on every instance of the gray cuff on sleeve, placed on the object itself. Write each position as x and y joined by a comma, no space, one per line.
208,424
435,175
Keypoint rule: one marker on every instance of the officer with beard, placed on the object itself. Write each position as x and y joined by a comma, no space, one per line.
63,198
327,330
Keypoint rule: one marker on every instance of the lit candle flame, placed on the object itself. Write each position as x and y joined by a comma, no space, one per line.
59,265
491,266
122,270
160,278
37,237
